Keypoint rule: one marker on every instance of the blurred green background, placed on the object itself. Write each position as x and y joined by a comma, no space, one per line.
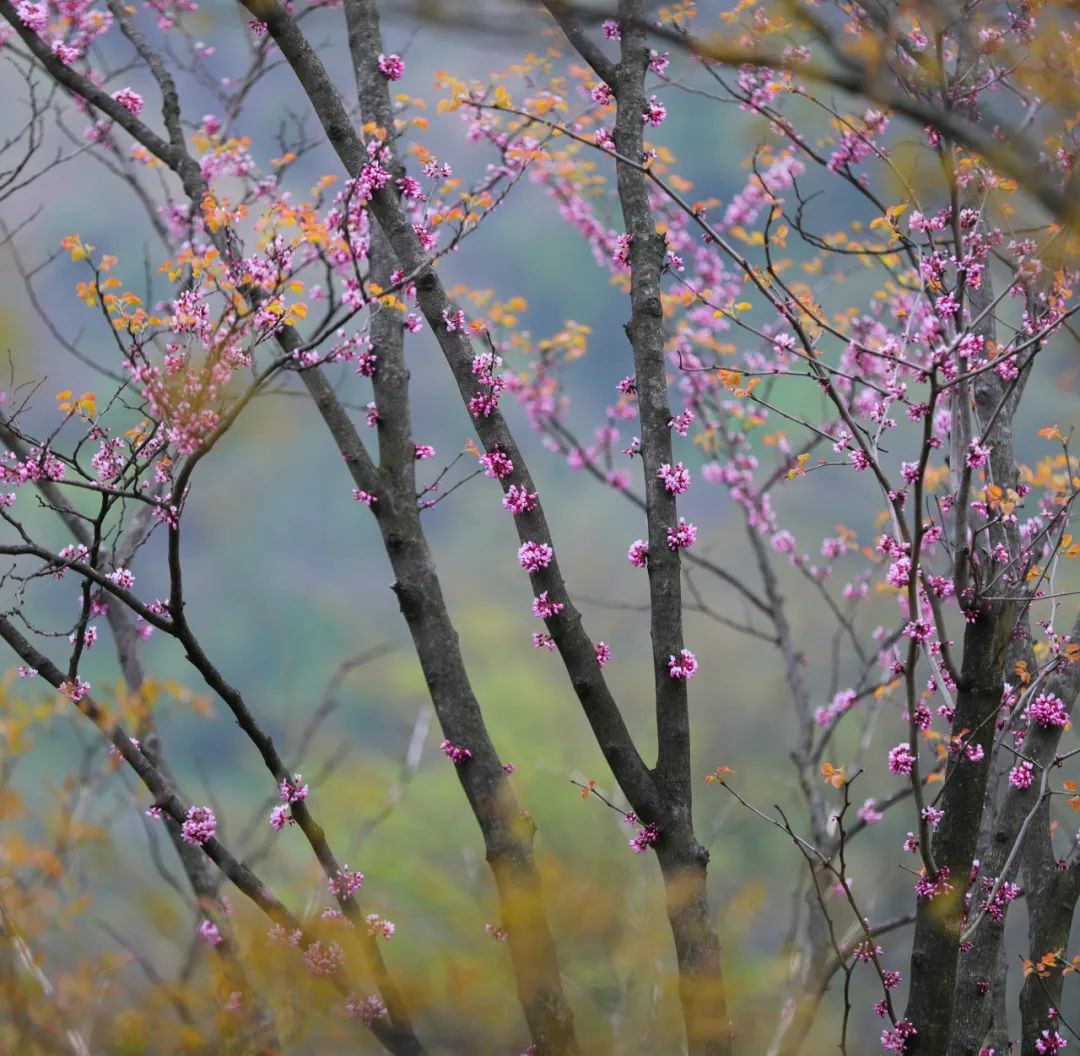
286,579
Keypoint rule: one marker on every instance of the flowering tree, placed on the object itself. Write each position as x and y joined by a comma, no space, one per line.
886,342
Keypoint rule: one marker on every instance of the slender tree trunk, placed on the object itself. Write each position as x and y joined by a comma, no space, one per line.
939,920
683,861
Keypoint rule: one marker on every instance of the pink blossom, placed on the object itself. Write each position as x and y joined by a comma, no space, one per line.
534,556
645,838
379,926
281,816
199,825
901,759
455,321
1049,1043
932,885
682,422
611,29
497,464
208,932
1048,710
364,496
545,608
655,112
519,500
684,666
603,653
895,1039
89,636
122,577
391,67
676,478
920,630
543,640
681,537
859,459
869,813
129,100
410,188
977,454
997,906
324,960
366,1011
34,16
293,790
638,554
1022,775
841,703
424,451
345,883
75,691
866,951
455,754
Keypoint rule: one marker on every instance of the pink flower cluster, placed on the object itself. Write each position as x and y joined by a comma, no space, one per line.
129,100
869,814
896,1039
346,883
901,759
199,825
1050,1043
676,478
684,666
497,464
380,927
534,556
645,838
455,754
366,1011
682,536
1048,711
842,702
930,885
1022,775
293,789
391,67
324,960
519,500
995,906
281,816
545,608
